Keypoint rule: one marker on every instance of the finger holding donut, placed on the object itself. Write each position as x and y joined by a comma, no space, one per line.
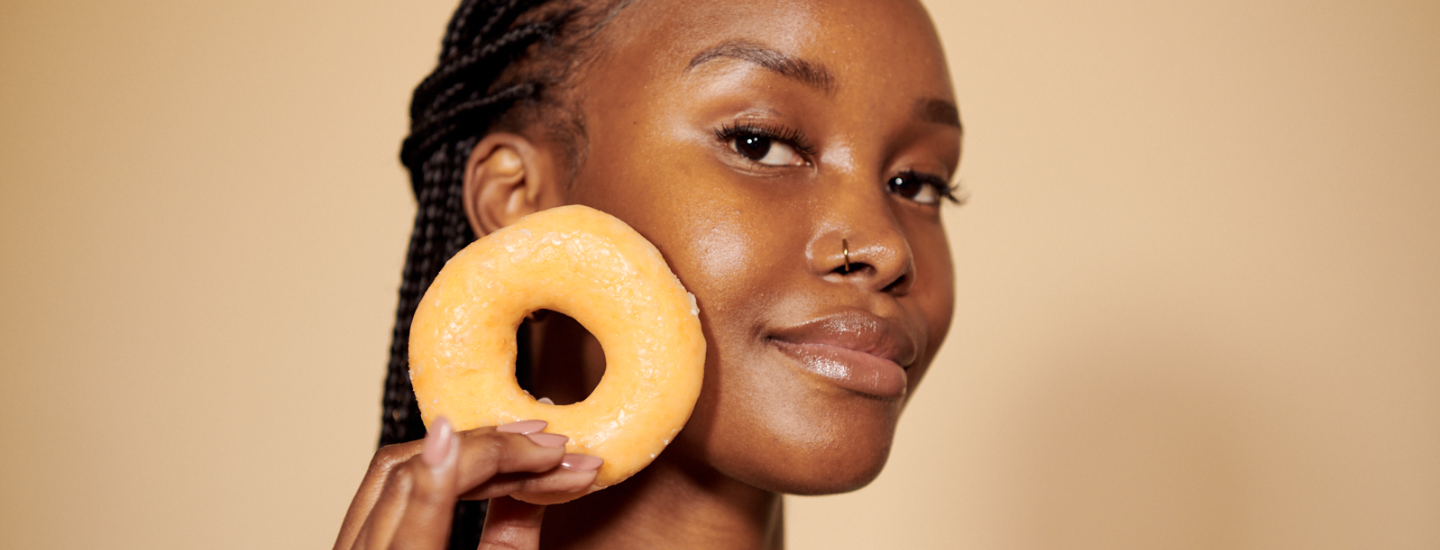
410,490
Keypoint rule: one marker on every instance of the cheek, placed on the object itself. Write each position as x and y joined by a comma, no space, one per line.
941,268
719,254
933,296
934,265
735,274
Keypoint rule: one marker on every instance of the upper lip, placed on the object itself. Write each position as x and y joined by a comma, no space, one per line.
857,331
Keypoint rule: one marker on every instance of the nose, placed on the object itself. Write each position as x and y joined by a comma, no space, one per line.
860,241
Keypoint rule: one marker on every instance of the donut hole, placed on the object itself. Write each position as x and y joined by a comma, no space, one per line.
568,359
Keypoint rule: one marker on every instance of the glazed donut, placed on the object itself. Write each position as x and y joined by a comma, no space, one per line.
593,267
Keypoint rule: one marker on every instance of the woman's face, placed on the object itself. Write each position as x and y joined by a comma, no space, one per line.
754,142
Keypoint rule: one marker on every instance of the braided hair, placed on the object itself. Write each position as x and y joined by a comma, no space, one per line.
504,65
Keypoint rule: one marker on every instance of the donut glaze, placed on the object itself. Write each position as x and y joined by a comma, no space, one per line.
594,268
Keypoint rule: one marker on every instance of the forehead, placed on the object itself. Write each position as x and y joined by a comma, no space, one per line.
860,43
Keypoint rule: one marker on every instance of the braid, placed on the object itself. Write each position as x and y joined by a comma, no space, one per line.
440,232
442,125
469,65
491,69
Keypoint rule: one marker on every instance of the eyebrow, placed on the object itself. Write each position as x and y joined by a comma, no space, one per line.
938,111
810,73
817,76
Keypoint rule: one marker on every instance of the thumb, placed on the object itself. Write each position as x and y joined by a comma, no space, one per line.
511,524
430,505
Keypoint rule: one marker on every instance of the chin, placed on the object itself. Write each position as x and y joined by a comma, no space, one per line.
838,457
845,476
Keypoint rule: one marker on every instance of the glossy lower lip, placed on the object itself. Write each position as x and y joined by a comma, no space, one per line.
853,370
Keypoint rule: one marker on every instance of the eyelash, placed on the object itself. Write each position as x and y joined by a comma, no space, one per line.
784,134
797,140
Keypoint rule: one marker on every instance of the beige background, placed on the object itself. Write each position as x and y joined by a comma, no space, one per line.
1199,300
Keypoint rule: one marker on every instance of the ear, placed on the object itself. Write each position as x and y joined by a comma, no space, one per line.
506,178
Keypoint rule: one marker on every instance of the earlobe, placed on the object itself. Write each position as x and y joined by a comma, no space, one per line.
506,178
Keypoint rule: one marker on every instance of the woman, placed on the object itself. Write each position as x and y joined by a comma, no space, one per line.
789,160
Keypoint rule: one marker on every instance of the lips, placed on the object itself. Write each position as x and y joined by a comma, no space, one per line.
857,351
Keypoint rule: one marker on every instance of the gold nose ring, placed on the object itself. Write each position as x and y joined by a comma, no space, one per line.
845,244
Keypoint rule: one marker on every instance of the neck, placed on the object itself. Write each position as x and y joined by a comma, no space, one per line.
669,505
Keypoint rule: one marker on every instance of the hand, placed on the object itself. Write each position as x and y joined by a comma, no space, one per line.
408,496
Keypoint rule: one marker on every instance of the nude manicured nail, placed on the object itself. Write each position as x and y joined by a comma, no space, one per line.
548,440
547,401
523,427
437,443
581,463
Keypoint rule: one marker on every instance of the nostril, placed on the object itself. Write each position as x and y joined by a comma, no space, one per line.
898,285
852,267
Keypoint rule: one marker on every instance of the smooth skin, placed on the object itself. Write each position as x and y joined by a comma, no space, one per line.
747,140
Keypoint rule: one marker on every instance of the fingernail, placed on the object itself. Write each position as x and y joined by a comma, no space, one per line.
523,427
581,463
547,401
548,440
437,443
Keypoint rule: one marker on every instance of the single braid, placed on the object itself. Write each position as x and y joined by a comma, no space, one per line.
497,55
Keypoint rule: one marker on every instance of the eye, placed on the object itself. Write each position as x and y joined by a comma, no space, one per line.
766,151
920,188
770,146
